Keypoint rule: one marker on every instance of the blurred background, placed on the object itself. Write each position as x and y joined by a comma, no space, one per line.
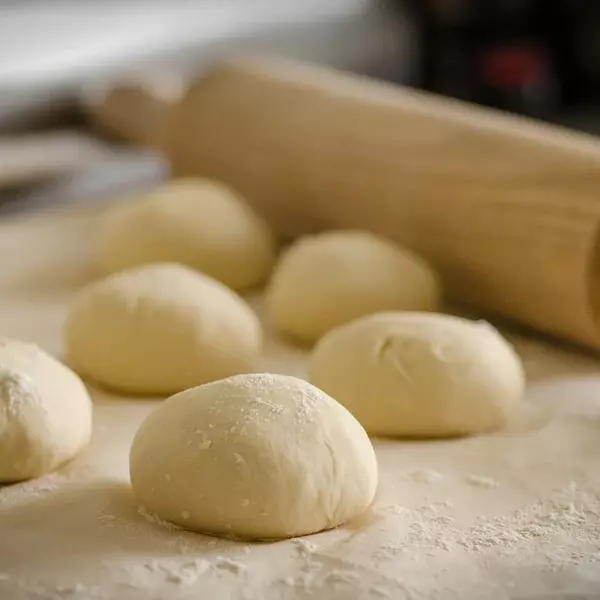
540,58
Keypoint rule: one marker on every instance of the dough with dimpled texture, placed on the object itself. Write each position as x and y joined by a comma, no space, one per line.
326,280
159,329
420,375
200,223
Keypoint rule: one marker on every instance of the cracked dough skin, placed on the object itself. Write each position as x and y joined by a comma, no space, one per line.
159,329
323,281
255,456
45,412
420,374
199,223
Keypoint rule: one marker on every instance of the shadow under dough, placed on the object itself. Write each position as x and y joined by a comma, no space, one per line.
91,522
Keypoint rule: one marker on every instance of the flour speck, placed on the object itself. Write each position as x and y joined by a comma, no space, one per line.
482,482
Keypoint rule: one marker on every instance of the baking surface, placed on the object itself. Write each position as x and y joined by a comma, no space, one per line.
510,515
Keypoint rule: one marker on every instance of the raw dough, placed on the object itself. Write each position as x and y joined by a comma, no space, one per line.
45,412
159,329
199,223
419,374
329,279
253,456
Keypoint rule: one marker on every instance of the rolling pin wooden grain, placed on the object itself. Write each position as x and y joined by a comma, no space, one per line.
507,209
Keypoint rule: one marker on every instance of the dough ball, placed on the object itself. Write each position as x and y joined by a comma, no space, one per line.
253,456
420,375
45,412
159,329
199,223
326,280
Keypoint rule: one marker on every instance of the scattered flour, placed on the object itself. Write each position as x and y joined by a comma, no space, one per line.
480,481
344,577
423,476
70,590
305,581
559,526
237,568
561,530
156,520
180,572
564,527
304,546
48,483
186,573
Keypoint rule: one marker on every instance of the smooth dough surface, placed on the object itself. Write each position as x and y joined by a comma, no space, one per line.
45,412
329,279
255,456
159,329
420,374
196,222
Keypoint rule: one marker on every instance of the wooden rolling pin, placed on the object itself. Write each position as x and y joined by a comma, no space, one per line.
506,208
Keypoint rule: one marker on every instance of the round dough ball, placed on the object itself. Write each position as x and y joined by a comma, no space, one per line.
45,412
159,329
326,280
420,375
199,223
253,456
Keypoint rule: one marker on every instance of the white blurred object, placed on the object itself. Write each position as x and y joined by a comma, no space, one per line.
27,159
121,171
48,50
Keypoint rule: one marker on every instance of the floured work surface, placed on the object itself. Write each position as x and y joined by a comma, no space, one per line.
510,515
